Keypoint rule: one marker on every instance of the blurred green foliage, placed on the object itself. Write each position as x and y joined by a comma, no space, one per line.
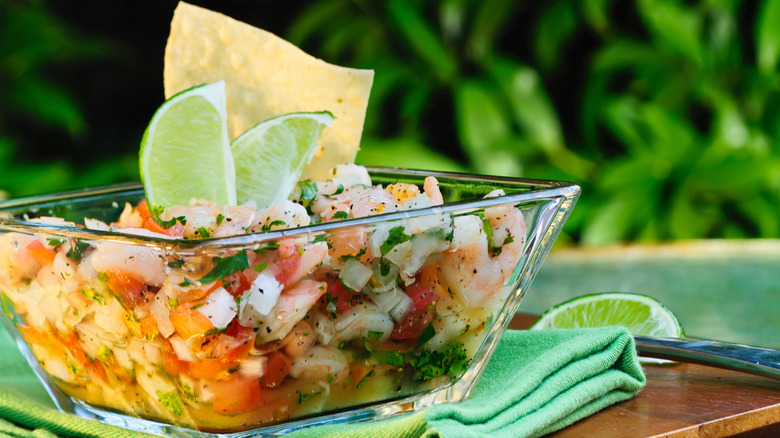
34,46
666,112
676,111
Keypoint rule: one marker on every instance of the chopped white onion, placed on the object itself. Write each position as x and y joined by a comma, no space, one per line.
94,224
220,308
393,302
253,366
161,316
355,275
182,349
259,299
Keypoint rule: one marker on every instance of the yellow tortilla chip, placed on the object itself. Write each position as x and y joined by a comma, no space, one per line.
265,77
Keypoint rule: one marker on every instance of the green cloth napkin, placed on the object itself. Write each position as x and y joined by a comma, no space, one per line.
536,383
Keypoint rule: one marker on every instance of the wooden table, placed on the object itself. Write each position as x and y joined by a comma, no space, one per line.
686,400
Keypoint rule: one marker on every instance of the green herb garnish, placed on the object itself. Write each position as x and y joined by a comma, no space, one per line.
224,266
395,237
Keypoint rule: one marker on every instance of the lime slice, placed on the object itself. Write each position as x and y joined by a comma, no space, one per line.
640,314
270,157
185,151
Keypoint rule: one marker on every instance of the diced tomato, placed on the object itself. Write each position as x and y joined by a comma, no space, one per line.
236,284
277,368
210,369
336,293
423,293
235,344
189,322
143,210
171,362
131,291
41,253
176,230
236,395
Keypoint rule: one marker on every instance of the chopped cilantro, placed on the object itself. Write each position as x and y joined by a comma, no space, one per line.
178,263
302,397
156,210
267,227
450,361
198,305
488,321
339,189
220,219
186,282
426,334
93,295
260,267
394,358
76,252
204,233
269,246
374,335
331,378
224,266
367,345
384,267
331,307
102,276
365,378
395,237
496,250
170,222
342,345
214,331
359,254
320,238
308,191
171,401
104,353
55,242
340,215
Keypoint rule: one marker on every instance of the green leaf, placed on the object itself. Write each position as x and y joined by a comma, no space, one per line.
554,30
489,20
48,103
595,13
225,266
481,123
768,36
410,23
400,152
676,24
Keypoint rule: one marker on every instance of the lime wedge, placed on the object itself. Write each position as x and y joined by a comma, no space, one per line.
185,151
640,314
270,157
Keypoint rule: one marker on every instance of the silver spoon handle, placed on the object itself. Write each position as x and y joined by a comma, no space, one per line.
755,360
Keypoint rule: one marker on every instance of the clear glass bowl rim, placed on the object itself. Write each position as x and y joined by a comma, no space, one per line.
532,189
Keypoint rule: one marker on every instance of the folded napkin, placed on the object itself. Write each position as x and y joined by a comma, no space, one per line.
537,382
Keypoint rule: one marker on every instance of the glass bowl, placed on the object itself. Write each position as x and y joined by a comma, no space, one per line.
120,343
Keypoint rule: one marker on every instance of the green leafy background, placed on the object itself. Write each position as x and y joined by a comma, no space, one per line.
667,113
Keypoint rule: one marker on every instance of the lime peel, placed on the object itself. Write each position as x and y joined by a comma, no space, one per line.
271,156
640,314
185,151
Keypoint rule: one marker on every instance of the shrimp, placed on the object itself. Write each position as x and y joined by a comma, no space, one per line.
431,189
283,214
217,220
361,320
472,273
321,364
289,310
145,264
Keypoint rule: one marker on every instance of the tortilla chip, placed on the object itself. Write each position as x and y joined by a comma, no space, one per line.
265,77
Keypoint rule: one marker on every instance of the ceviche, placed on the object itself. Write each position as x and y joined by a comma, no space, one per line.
243,336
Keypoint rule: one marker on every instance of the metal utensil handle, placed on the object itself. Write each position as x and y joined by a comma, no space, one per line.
755,360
